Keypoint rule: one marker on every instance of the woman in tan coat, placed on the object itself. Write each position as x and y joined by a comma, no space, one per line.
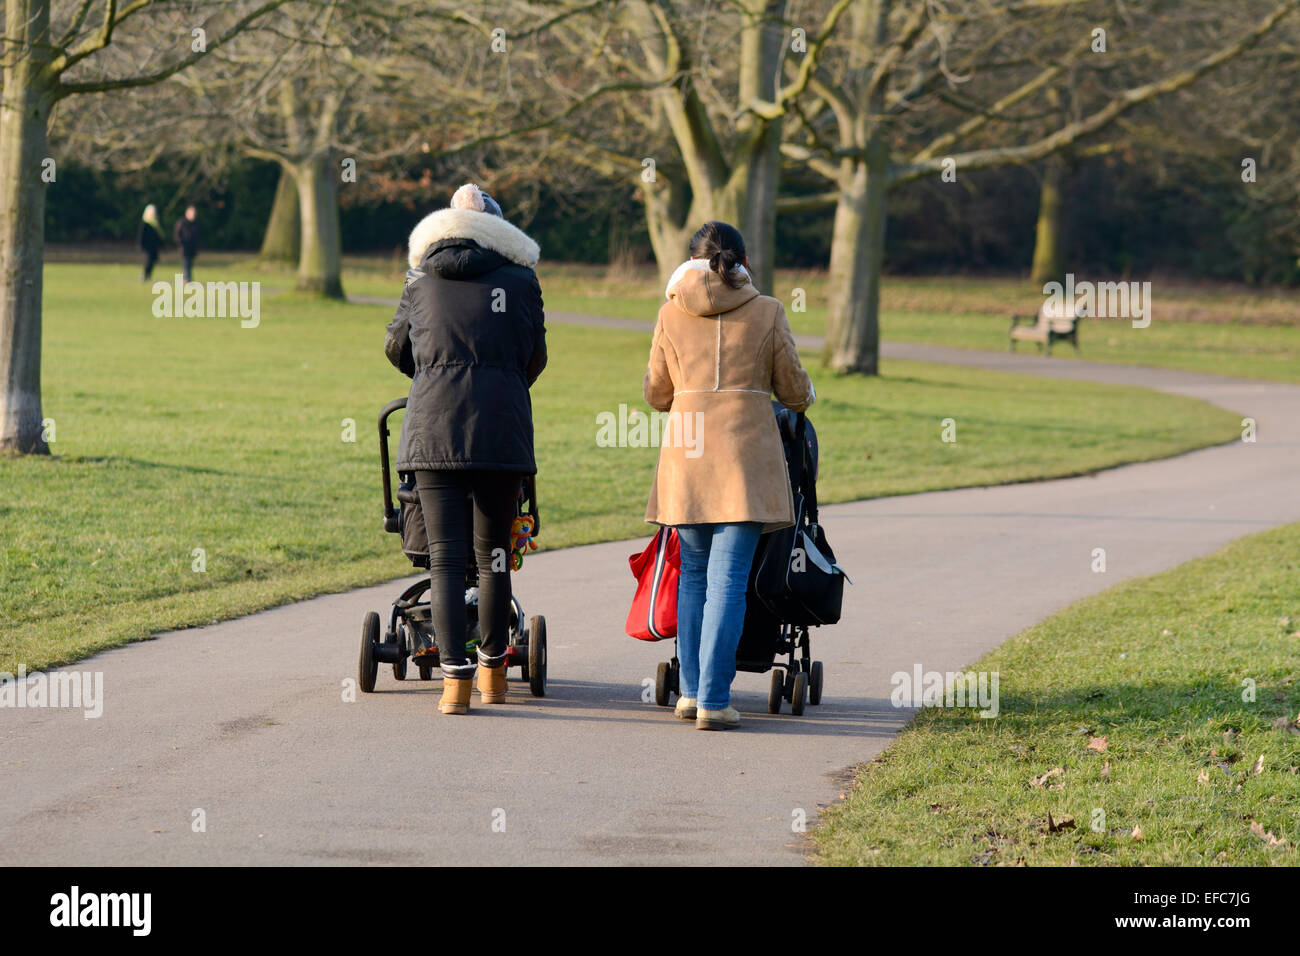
720,350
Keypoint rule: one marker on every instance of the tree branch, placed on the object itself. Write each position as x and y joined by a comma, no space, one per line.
1071,133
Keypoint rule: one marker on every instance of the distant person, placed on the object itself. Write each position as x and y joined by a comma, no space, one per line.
186,235
151,239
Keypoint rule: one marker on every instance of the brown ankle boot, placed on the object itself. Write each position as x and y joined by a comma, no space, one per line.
455,695
492,684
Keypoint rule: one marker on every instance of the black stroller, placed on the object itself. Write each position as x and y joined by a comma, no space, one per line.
410,625
764,636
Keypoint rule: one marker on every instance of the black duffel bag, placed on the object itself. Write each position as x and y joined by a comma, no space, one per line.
797,579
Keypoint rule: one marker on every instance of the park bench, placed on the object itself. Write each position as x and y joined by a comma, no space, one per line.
1051,323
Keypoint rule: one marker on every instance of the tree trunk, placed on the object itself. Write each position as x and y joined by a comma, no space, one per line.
670,220
716,185
24,121
1049,237
283,228
760,64
759,223
320,261
857,252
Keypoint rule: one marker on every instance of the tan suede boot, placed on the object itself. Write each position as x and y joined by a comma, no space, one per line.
455,695
492,684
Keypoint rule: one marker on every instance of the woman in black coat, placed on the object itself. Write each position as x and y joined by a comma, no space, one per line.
150,239
469,331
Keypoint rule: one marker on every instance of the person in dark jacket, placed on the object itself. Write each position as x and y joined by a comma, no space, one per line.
150,239
469,331
186,235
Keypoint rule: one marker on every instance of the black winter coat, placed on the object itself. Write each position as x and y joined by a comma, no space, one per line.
150,240
187,234
469,331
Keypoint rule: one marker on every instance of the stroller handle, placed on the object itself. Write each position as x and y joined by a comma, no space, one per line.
392,517
392,520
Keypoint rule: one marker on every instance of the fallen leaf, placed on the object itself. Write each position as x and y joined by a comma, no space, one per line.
1258,766
1137,834
1105,770
1056,826
1039,781
1098,744
1203,777
1258,830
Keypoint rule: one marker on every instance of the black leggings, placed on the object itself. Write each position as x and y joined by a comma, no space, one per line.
447,516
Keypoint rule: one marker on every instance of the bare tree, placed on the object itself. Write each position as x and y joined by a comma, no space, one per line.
685,103
901,56
45,58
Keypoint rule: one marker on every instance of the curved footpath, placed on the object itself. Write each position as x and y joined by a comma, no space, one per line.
245,720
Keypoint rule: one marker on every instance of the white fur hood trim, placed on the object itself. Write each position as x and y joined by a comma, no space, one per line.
489,231
687,266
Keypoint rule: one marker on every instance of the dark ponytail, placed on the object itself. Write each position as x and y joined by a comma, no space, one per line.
723,246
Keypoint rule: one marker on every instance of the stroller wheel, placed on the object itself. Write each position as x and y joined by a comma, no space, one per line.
799,694
399,665
367,666
663,681
815,684
537,656
776,692
426,671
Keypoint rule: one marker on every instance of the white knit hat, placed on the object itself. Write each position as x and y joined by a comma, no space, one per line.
470,196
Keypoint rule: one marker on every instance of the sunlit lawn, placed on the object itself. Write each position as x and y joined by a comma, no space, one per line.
1155,724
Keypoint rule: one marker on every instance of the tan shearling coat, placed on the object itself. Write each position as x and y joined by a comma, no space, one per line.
717,356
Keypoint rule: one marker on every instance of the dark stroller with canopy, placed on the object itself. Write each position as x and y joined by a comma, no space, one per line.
765,636
410,625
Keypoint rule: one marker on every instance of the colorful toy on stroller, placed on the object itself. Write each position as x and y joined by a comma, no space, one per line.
410,626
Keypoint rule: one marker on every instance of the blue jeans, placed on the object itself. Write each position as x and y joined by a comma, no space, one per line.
711,606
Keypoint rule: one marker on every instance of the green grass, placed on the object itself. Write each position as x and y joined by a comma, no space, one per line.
1158,667
177,434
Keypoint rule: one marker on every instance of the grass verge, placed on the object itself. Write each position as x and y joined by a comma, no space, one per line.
1158,718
